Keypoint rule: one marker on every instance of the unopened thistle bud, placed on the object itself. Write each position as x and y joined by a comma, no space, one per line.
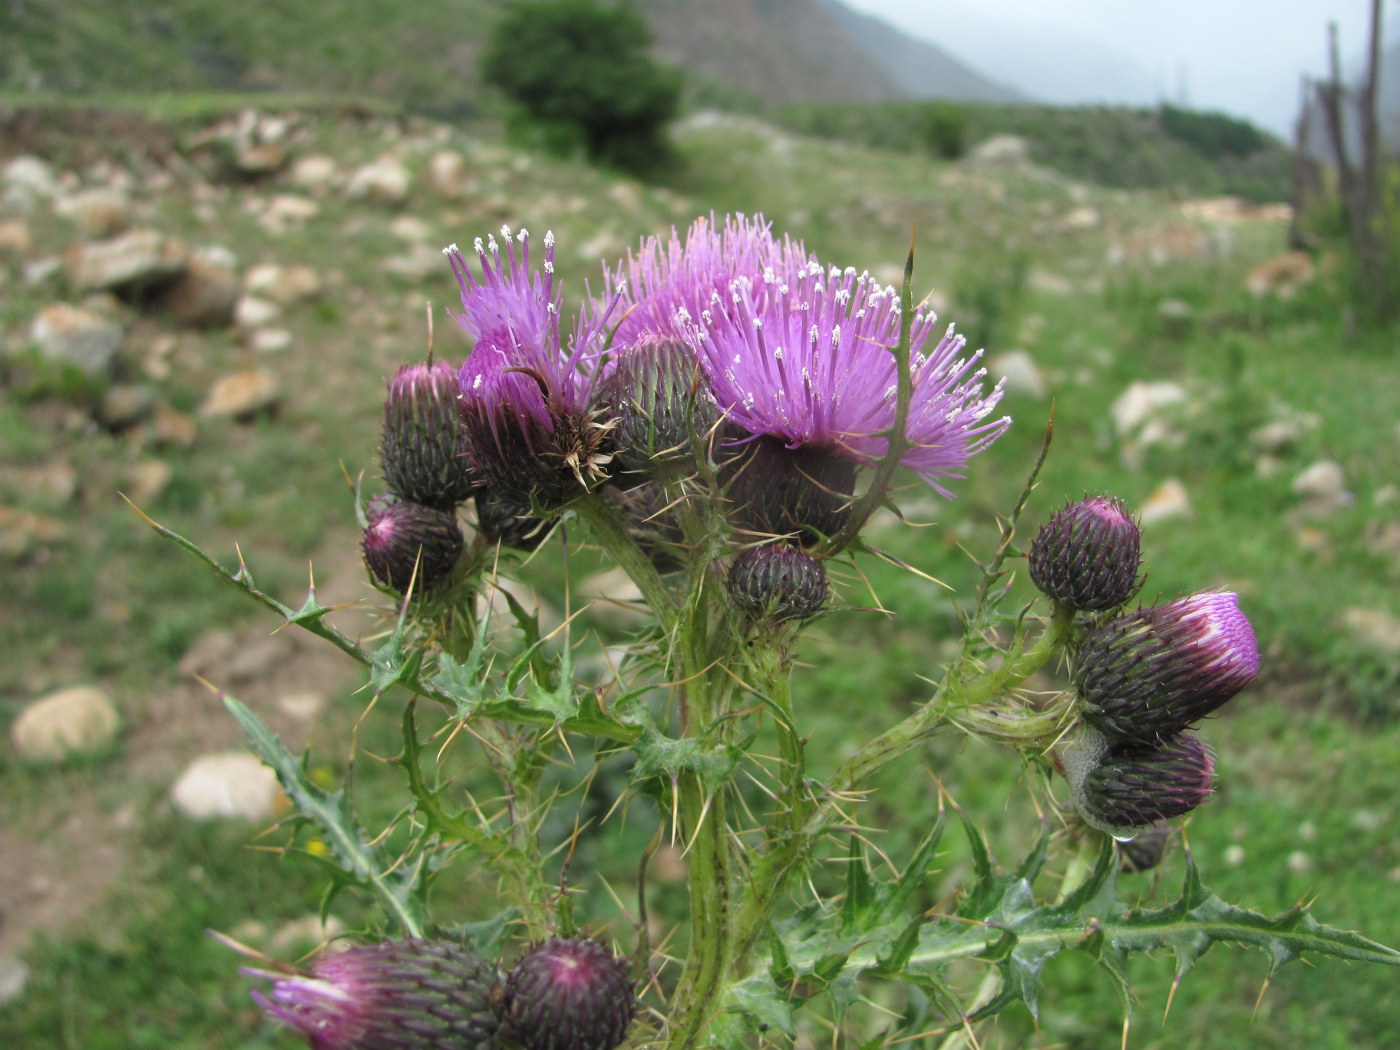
1146,675
398,995
660,401
569,994
423,449
1124,789
1087,555
403,538
778,582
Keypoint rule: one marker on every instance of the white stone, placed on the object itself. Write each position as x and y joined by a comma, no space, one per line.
72,335
99,212
26,177
284,285
383,181
251,311
241,394
287,211
446,174
14,975
80,720
1000,151
1375,628
227,784
304,707
1140,402
1322,481
1277,437
135,260
314,173
269,340
1023,376
1168,500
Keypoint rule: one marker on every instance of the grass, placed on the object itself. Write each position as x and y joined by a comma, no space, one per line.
1306,758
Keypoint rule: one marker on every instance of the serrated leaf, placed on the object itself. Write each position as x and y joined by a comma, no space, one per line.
332,815
662,756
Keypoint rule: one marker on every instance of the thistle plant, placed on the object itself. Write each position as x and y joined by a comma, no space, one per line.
722,421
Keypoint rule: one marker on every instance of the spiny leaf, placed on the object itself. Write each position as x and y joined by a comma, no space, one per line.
331,813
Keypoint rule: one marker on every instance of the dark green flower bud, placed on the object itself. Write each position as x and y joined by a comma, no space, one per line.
658,400
1087,555
1124,789
423,449
778,582
398,995
404,537
508,524
569,994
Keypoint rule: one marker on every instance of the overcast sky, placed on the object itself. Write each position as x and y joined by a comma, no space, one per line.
1242,57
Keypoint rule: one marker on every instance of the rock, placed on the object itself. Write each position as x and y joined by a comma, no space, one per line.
80,720
1081,218
259,160
1374,628
1282,276
54,483
227,784
383,181
1141,402
72,335
1323,482
283,285
446,174
132,263
126,404
269,340
251,311
148,479
203,295
99,212
1168,500
286,211
170,427
15,238
314,173
240,395
22,530
1277,438
1023,376
26,179
999,151
14,975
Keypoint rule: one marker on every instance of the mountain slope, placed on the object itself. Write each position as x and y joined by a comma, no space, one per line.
917,69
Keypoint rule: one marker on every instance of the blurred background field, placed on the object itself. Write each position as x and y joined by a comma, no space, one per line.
1127,279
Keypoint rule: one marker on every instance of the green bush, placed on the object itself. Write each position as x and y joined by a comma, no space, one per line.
581,70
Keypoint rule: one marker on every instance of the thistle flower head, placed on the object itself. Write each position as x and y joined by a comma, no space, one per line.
403,538
524,394
1125,789
397,995
801,353
778,582
569,994
1087,555
509,524
1146,675
423,450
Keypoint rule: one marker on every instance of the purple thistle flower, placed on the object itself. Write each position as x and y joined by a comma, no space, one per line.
569,994
397,995
407,543
524,395
422,448
1146,675
801,353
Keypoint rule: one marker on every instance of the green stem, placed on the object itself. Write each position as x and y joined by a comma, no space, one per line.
608,529
701,989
